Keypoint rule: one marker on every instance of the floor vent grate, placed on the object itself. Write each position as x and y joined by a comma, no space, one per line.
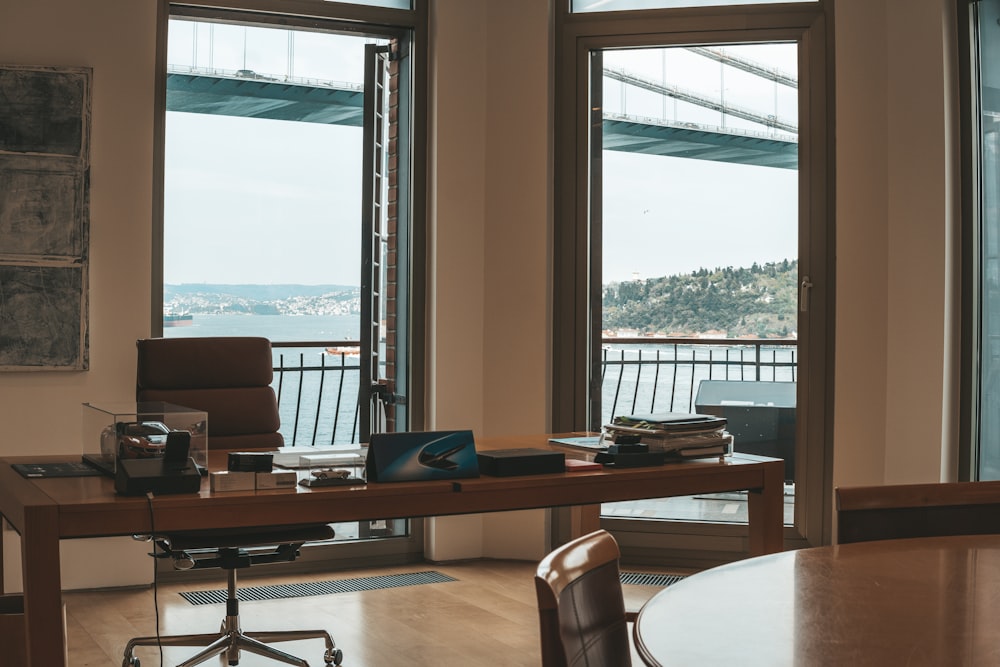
280,591
647,579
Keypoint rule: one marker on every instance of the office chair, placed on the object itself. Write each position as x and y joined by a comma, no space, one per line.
230,380
898,511
581,608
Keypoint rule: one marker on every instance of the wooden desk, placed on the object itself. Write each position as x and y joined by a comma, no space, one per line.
44,511
923,601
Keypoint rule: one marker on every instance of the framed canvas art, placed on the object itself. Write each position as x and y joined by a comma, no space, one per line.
44,217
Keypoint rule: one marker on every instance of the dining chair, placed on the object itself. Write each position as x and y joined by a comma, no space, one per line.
895,511
229,378
581,607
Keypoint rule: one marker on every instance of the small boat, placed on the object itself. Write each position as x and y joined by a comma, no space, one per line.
178,320
345,350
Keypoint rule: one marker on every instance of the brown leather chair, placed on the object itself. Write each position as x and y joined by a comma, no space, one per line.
581,608
229,378
895,511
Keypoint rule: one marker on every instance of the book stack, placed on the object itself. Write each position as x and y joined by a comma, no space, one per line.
677,434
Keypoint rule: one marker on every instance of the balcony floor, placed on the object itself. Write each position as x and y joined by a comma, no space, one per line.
711,508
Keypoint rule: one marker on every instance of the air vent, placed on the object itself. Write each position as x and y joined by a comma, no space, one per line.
647,579
281,591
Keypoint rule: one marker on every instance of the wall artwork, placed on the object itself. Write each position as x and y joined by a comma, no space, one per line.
44,217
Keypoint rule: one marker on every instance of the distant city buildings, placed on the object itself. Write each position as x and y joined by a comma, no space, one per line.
342,302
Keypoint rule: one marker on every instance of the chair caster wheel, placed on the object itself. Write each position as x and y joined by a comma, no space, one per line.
334,657
130,662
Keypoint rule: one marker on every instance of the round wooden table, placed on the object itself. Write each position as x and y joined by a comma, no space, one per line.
928,601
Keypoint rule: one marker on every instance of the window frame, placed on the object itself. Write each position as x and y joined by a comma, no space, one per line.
972,293
574,332
347,18
968,459
350,18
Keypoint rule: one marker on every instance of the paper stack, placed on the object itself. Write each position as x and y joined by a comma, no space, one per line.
682,435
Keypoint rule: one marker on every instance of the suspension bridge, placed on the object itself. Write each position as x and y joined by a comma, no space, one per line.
251,94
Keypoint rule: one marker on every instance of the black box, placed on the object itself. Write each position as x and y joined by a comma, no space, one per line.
527,461
136,477
250,461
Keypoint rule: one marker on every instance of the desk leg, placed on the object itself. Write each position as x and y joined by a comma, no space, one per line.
766,511
42,587
584,519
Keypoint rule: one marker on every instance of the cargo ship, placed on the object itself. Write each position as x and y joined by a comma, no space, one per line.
178,320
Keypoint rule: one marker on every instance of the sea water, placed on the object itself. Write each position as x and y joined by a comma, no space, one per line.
317,391
660,378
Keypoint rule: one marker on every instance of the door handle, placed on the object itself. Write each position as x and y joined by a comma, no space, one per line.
804,289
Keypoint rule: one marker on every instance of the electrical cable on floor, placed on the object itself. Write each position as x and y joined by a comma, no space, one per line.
156,602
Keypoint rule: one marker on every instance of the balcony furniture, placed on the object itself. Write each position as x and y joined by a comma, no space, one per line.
760,415
229,379
45,511
581,610
917,510
922,601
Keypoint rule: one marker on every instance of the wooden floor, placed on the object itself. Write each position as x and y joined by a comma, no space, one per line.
486,617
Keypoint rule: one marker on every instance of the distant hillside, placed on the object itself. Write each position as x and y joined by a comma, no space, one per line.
202,298
758,301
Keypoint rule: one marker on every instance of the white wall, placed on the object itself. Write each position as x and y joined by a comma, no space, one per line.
492,230
41,412
896,242
491,233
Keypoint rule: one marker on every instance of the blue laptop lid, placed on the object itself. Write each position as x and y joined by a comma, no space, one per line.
423,455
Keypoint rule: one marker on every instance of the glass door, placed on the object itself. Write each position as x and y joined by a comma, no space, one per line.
695,250
698,301
374,235
697,186
281,159
985,92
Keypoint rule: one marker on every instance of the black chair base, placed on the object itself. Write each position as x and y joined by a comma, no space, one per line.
230,640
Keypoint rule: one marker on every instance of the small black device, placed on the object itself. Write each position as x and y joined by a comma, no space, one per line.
628,448
626,438
136,477
250,461
176,450
638,460
174,472
523,461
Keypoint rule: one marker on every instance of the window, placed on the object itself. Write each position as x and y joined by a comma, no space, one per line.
981,215
285,138
703,144
699,222
268,215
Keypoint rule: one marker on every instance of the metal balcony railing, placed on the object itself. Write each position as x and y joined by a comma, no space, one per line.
317,382
317,388
649,375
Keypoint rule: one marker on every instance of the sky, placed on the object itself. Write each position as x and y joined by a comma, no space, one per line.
257,201
665,215
263,201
